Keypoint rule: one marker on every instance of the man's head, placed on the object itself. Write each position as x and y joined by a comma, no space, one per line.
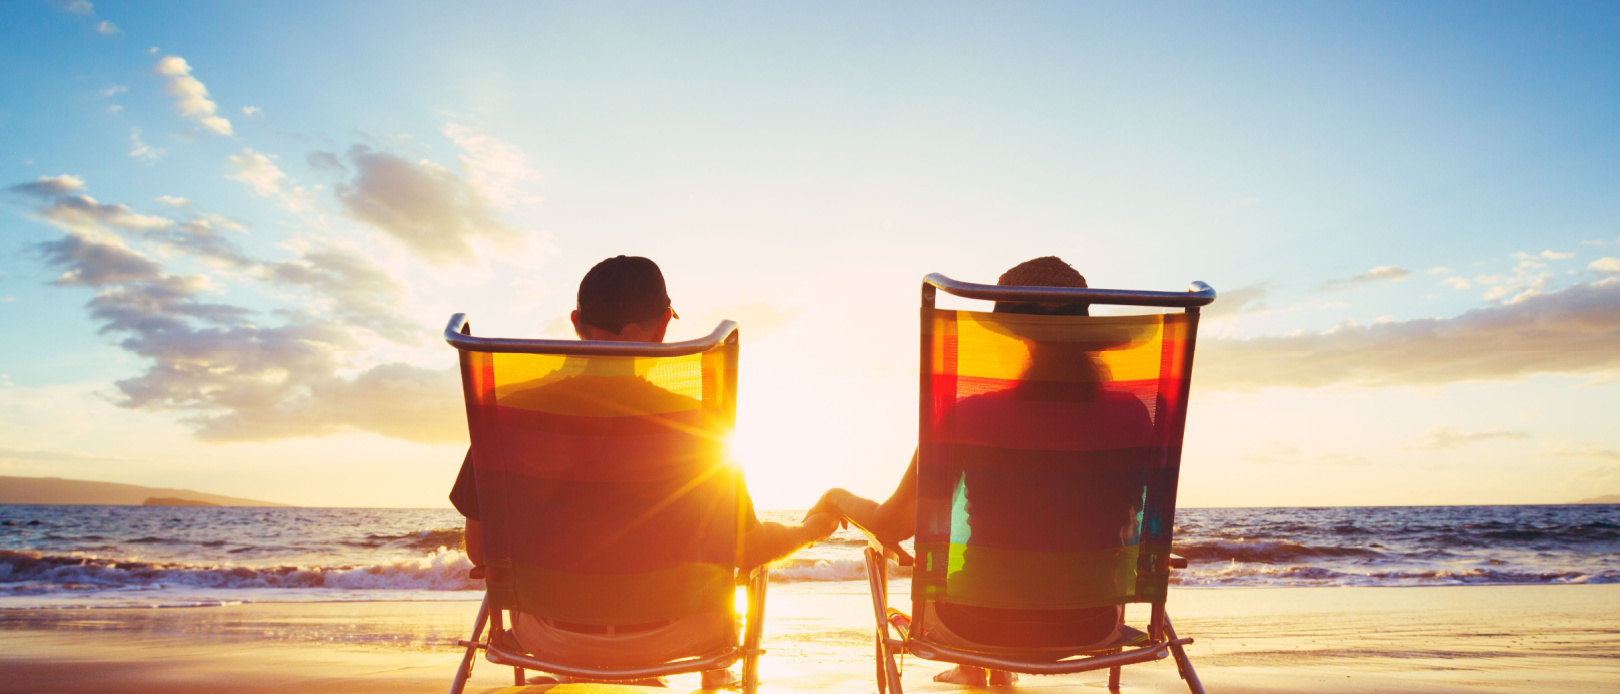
1048,271
623,298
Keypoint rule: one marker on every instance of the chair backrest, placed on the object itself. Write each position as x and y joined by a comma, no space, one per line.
604,489
1049,453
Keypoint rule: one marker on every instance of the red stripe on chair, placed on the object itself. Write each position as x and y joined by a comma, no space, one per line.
1046,425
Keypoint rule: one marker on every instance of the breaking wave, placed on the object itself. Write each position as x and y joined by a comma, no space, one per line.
26,573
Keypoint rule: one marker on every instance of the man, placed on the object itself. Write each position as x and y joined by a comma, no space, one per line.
624,299
998,504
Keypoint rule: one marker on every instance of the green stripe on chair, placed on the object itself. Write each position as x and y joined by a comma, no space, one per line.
1021,580
623,598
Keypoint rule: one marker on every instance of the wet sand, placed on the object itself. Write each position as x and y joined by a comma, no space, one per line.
1449,639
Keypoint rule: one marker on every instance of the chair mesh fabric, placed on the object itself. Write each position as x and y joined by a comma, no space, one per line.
604,490
1049,452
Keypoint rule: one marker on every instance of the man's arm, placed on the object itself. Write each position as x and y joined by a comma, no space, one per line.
772,541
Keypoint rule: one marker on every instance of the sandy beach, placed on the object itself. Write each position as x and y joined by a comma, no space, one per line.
1441,639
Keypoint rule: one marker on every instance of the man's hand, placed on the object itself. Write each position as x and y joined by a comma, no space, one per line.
819,526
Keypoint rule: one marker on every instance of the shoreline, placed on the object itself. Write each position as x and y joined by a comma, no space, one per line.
1489,638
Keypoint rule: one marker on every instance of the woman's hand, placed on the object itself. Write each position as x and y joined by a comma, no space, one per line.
828,504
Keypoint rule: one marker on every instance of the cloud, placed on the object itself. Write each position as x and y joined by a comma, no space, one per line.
113,90
173,201
106,28
115,108
498,168
1544,255
191,97
1565,332
434,212
1567,450
1528,279
231,373
142,152
258,171
1605,266
1240,300
50,186
81,8
1443,438
36,455
69,209
1382,273
252,111
1457,283
1438,270
325,161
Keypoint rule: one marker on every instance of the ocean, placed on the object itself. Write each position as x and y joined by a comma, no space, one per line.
152,556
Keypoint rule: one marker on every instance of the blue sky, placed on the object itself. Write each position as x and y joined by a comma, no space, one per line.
1412,212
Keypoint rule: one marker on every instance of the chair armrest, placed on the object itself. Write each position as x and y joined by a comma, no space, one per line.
890,550
1178,562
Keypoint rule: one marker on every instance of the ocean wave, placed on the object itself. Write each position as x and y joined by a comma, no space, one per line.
806,570
425,540
32,573
1266,551
1241,574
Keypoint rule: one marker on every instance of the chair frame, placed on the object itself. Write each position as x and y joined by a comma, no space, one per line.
1162,638
502,651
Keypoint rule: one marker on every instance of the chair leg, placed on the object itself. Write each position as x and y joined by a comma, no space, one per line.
464,670
888,674
1183,663
754,629
1113,679
518,678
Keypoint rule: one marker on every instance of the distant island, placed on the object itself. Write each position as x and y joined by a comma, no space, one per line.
1607,499
173,501
55,490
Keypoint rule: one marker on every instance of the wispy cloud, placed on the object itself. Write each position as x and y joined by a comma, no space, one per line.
1544,255
252,111
1382,273
142,152
1240,300
1568,450
431,210
191,96
106,28
1564,332
1605,266
259,171
1443,438
498,168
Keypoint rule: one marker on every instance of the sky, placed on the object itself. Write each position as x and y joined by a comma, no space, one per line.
231,233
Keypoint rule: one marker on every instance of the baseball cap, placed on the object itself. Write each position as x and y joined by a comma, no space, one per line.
621,290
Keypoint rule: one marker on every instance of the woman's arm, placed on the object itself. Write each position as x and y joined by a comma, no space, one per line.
893,520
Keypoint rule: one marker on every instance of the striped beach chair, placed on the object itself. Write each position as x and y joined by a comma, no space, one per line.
1049,452
606,497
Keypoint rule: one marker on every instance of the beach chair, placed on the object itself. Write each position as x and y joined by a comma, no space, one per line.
1066,432
607,501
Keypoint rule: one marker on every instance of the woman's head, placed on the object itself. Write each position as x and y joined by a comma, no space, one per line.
1048,271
